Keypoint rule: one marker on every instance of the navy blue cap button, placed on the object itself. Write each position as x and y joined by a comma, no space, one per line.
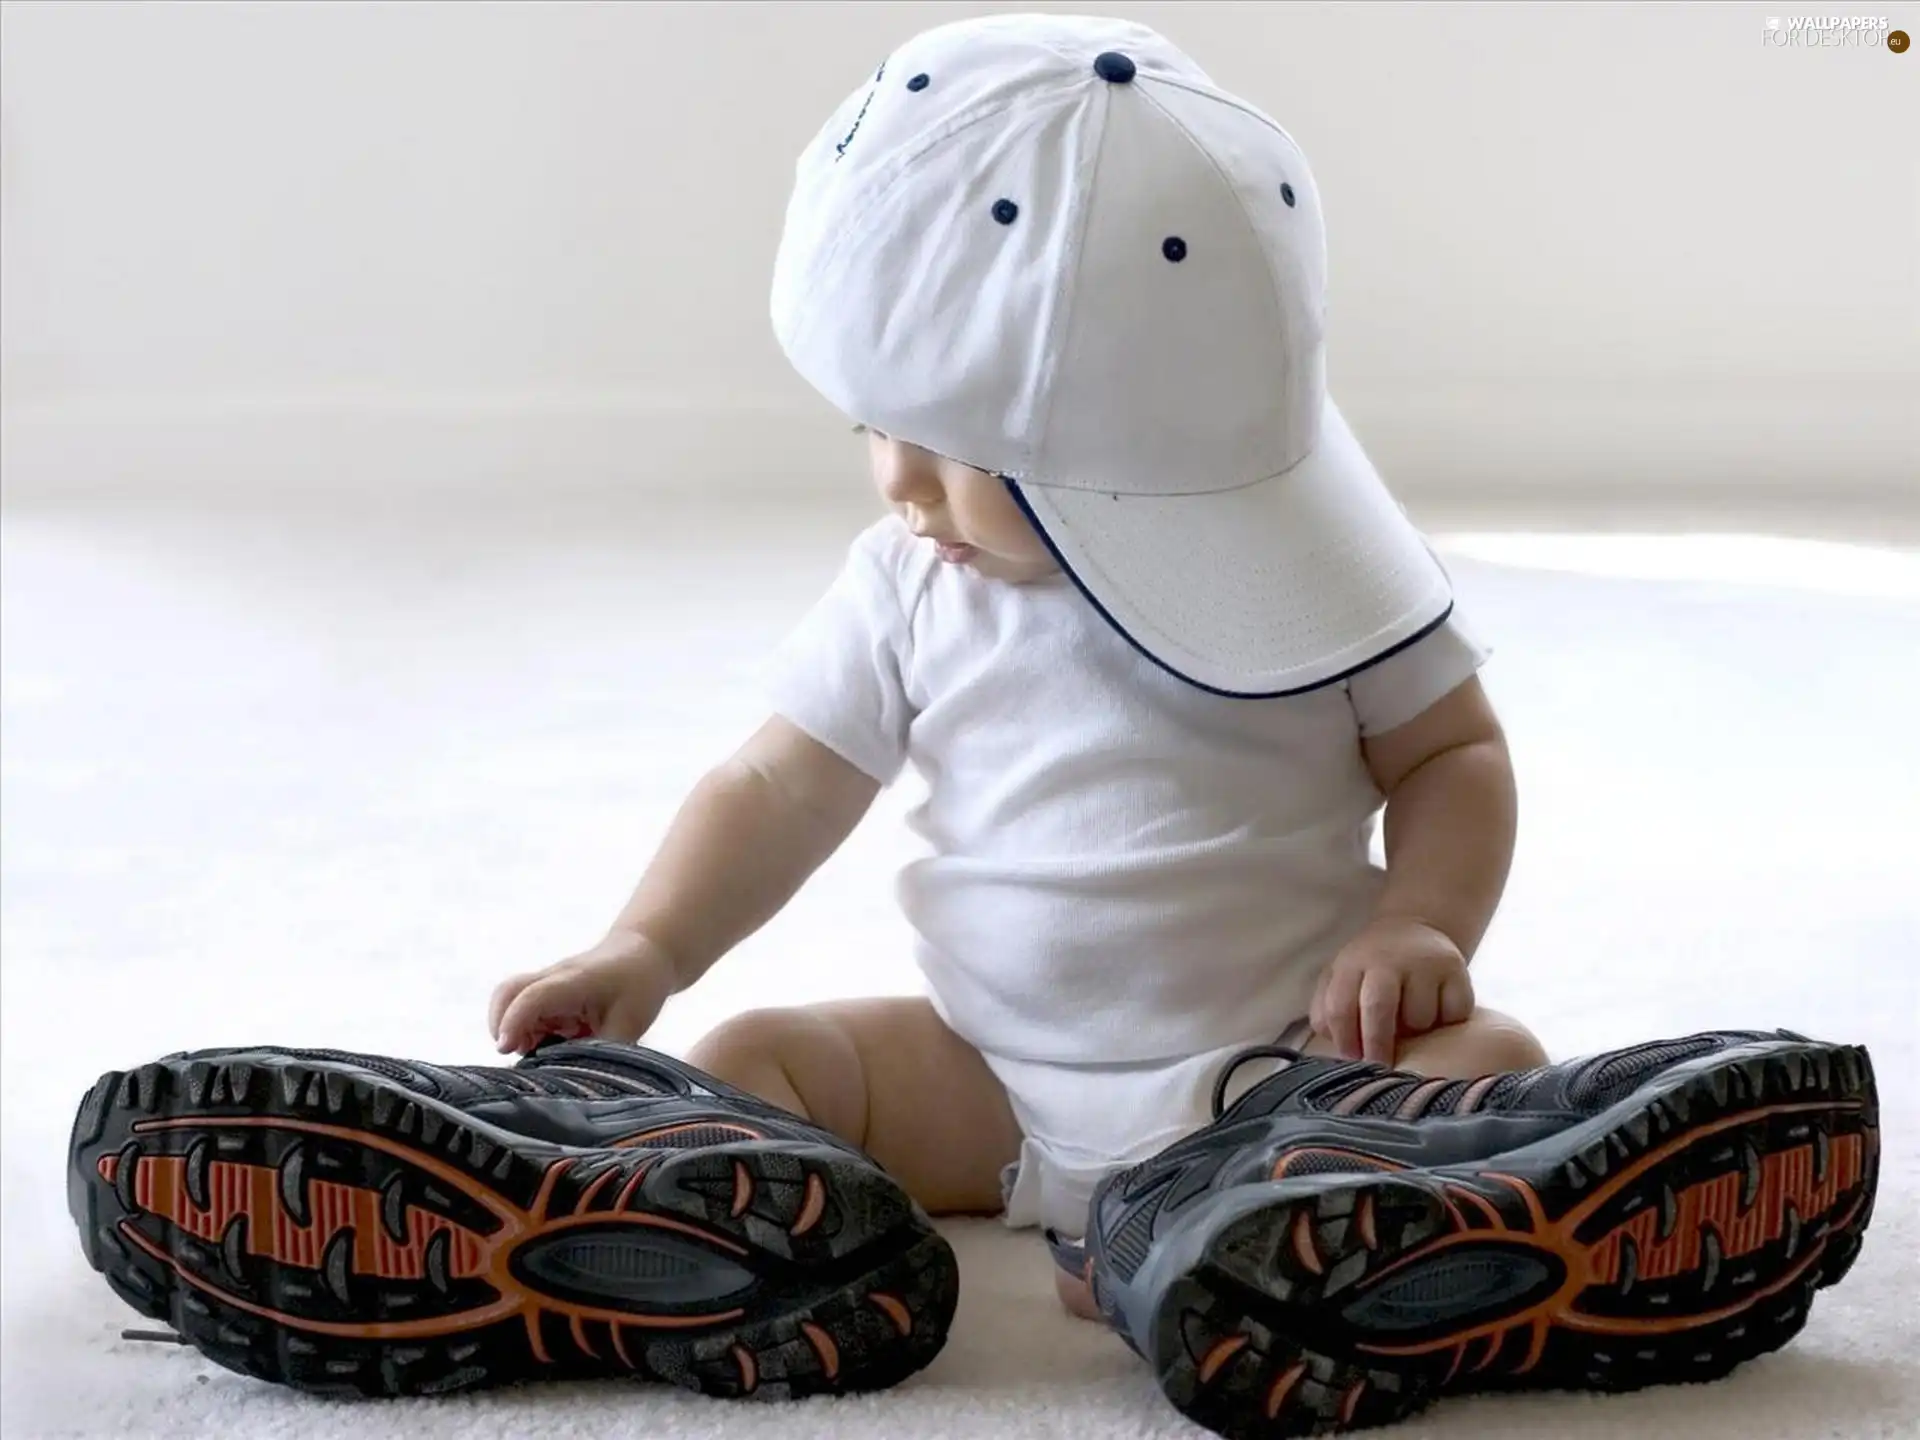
1286,193
918,82
1005,211
1112,65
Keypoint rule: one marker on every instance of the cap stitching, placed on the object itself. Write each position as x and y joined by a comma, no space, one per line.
860,116
882,180
1076,236
1167,665
1275,310
1090,564
1104,489
1067,292
1253,112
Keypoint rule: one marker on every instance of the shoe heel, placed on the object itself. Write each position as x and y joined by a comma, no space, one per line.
1238,1337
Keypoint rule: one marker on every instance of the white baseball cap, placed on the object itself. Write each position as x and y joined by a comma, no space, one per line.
1047,246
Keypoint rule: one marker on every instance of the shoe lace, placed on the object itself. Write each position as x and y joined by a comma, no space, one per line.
1253,1052
625,1069
1377,1090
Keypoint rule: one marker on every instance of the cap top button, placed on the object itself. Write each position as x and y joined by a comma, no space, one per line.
1112,66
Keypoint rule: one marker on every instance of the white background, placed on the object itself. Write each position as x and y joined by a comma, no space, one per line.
1584,256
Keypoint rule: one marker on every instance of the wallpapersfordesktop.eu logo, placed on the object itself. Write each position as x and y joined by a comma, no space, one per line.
1864,32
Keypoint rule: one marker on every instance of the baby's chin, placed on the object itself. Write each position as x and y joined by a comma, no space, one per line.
1011,569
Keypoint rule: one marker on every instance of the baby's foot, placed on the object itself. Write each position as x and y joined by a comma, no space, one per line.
1076,1295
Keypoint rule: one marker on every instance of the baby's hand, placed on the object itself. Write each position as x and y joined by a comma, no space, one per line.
1396,977
613,991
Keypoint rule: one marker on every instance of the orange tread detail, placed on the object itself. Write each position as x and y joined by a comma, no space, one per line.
742,1190
646,1138
1283,1387
895,1310
253,1191
1352,1401
580,1338
599,1182
812,1207
1785,1176
1787,1179
1285,1165
272,1234
1303,1246
633,1184
536,1341
1493,1349
1222,1351
823,1346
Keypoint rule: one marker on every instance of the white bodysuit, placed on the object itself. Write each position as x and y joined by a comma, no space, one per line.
1125,878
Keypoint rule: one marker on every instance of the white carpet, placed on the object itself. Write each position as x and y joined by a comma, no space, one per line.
292,781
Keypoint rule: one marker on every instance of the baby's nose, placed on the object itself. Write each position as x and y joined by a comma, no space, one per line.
909,475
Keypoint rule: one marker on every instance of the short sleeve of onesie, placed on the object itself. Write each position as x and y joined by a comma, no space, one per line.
839,676
1388,694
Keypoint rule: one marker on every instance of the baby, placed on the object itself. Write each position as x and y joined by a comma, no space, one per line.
1147,624
1143,618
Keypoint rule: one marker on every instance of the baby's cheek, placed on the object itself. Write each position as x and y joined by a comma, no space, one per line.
1015,537
1033,552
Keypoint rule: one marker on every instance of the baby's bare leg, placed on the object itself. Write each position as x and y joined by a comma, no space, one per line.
1485,1043
886,1075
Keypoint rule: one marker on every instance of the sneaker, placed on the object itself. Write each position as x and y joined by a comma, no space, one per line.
357,1224
1346,1242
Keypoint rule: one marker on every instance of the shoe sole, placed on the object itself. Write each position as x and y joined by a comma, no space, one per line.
1669,1240
324,1228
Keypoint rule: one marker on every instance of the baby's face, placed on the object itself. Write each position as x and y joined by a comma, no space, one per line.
967,513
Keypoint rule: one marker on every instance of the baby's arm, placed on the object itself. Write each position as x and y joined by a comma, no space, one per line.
1449,835
1450,815
744,841
747,838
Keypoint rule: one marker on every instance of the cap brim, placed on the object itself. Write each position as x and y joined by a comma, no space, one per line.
1273,588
